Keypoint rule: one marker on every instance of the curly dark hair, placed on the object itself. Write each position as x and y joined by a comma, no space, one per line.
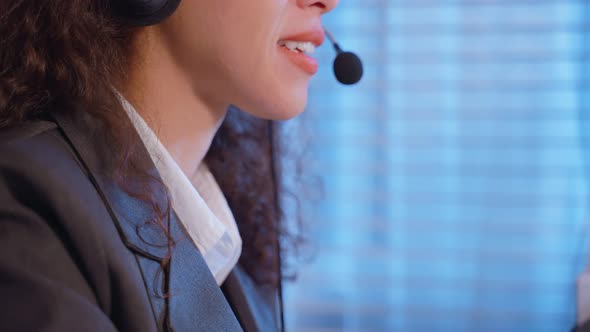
57,53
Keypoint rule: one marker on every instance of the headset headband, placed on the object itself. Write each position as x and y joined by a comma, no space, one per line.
144,12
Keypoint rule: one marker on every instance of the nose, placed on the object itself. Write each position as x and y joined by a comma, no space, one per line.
324,5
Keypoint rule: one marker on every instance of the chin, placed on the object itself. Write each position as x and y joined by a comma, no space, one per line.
287,113
279,109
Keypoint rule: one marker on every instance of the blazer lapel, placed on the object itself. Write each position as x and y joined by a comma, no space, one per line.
194,301
257,307
130,214
194,309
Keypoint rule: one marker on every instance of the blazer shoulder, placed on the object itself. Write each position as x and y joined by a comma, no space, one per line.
25,130
36,146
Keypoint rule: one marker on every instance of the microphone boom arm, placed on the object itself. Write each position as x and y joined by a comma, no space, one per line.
331,38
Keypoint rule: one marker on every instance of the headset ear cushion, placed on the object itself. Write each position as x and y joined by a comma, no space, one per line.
143,12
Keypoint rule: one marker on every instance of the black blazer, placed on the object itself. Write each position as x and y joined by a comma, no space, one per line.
583,328
73,254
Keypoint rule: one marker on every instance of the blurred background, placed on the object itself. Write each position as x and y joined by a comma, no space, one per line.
454,177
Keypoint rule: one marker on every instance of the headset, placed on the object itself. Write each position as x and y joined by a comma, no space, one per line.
347,66
143,12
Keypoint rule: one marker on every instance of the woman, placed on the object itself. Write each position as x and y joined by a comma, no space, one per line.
125,175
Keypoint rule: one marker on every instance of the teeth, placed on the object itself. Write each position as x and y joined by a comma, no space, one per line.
299,47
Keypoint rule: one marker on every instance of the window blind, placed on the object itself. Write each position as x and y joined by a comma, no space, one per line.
455,175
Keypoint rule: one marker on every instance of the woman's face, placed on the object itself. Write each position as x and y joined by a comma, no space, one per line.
233,51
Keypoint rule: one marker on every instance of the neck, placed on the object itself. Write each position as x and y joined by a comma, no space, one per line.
182,119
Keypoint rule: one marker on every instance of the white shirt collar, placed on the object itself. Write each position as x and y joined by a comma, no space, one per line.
198,202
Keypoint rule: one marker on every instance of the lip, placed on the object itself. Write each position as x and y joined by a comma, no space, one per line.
301,60
305,62
315,36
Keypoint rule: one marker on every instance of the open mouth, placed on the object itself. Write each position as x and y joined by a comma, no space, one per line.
299,53
297,46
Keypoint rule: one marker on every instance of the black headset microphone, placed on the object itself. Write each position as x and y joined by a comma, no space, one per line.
348,67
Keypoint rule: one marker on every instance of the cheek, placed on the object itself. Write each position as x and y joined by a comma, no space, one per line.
267,83
232,55
264,82
275,90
